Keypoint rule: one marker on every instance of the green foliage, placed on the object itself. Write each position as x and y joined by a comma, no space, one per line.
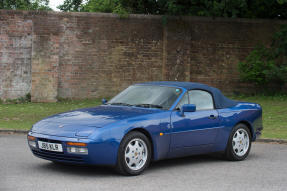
106,6
280,42
122,12
281,1
216,8
266,9
25,4
25,99
213,8
28,97
256,66
71,5
267,65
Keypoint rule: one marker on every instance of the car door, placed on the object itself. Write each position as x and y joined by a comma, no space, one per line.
194,131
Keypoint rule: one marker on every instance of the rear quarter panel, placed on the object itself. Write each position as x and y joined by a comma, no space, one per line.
243,112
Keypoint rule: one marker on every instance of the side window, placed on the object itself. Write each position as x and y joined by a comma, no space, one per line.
202,99
184,100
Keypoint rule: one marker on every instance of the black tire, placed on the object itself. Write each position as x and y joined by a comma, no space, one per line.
122,166
230,154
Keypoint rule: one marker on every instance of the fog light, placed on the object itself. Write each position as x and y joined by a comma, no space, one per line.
32,144
77,150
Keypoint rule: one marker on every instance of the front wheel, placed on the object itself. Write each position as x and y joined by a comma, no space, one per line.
239,143
134,154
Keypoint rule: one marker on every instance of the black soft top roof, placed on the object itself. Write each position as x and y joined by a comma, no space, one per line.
220,101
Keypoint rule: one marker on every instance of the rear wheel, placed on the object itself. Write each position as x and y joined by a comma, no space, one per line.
134,154
239,143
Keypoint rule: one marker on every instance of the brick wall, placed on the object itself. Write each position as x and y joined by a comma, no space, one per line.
85,55
15,55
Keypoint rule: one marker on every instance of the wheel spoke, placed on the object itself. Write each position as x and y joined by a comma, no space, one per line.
137,144
132,162
236,137
236,146
139,161
132,146
141,149
129,155
242,135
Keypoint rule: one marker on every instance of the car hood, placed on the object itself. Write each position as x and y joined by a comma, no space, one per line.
82,122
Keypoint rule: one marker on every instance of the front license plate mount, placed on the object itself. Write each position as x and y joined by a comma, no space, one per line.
55,147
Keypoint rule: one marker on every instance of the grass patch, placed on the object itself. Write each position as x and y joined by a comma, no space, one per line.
24,115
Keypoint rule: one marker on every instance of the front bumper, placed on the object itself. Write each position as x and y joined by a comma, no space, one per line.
104,153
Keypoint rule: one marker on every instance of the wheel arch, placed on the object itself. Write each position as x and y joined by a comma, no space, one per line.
249,126
148,135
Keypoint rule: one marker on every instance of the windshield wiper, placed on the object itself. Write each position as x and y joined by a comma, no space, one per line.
147,105
118,103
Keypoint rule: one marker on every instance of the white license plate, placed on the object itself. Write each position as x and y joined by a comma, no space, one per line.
50,146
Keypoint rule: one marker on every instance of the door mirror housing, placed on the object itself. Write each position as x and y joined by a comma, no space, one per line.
104,101
187,108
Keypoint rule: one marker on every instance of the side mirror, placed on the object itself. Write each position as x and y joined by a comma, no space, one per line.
104,101
187,108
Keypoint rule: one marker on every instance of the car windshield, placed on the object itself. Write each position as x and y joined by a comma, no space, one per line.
147,96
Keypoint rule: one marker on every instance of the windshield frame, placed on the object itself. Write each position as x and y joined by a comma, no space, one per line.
183,91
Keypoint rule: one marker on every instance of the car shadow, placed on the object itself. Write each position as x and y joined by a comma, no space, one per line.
189,160
78,170
107,171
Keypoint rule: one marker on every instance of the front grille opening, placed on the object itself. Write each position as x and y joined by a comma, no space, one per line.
49,140
57,156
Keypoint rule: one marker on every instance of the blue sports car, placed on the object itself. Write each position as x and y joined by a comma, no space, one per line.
149,122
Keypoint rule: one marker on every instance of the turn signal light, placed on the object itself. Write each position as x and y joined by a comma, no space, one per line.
77,144
31,138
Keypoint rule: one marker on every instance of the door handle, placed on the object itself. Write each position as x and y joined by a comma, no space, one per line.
212,117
